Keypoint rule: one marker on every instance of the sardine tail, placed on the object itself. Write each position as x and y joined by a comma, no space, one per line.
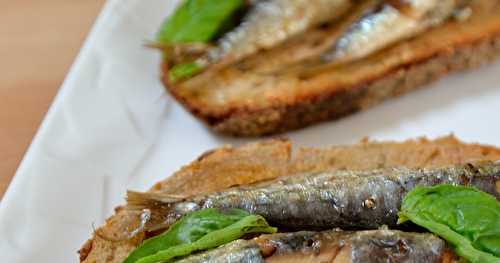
151,200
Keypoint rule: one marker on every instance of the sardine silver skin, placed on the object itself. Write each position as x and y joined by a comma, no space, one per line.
394,21
362,246
344,199
271,22
234,252
331,246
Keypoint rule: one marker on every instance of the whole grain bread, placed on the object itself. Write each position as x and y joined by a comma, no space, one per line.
228,166
242,100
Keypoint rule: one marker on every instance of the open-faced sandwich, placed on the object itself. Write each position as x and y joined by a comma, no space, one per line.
417,201
254,67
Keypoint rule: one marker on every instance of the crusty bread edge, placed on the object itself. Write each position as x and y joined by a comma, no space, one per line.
341,102
446,149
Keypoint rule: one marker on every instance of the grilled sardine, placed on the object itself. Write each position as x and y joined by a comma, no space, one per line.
331,246
324,200
269,23
393,21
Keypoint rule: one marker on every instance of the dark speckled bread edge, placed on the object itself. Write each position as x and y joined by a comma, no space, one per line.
246,121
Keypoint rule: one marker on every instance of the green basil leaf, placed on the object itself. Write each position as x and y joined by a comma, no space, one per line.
466,217
248,224
198,20
187,230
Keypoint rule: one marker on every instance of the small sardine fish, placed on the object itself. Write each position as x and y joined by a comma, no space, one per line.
324,200
237,251
269,23
331,246
393,21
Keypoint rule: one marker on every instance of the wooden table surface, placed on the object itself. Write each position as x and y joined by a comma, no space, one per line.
39,40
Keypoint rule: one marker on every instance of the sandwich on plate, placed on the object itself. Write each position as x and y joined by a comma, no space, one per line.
416,201
255,67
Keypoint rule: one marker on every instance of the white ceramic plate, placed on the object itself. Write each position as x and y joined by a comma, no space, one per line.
113,127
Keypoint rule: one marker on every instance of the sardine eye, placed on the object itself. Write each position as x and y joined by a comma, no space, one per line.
403,246
309,243
369,203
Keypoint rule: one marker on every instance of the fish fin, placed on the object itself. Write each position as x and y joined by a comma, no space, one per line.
180,53
157,210
151,200
314,64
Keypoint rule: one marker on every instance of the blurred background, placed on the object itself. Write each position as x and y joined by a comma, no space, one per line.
38,43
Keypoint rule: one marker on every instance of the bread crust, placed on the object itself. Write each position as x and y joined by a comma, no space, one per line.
228,166
339,103
334,100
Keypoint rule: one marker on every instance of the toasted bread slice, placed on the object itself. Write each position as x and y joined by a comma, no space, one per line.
225,167
245,100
